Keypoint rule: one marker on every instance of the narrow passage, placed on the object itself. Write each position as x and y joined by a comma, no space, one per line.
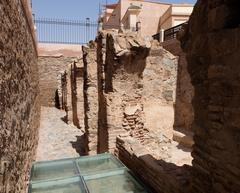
57,140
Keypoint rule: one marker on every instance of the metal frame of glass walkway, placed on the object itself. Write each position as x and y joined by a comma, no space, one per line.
102,173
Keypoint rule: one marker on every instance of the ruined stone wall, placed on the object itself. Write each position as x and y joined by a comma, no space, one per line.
102,144
121,109
77,95
212,44
50,69
72,96
183,109
91,97
161,176
136,89
19,95
159,91
184,90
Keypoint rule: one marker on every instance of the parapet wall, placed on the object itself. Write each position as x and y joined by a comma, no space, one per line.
19,95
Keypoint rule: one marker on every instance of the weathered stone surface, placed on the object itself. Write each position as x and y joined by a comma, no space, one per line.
77,95
211,41
50,69
123,67
137,86
183,110
72,96
19,96
91,97
159,91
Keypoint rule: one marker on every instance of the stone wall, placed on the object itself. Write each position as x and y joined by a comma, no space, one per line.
159,91
183,109
50,68
184,92
53,60
72,96
161,176
19,95
91,97
137,89
212,44
77,93
120,103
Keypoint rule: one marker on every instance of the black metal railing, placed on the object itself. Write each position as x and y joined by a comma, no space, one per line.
170,33
157,36
65,31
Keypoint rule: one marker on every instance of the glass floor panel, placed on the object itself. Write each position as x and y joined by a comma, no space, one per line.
94,164
53,170
70,185
102,173
117,181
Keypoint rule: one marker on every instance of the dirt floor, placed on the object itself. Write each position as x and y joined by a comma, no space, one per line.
57,139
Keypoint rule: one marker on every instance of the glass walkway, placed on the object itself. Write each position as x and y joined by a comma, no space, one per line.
102,173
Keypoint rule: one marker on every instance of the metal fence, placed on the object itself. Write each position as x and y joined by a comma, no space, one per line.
170,33
65,31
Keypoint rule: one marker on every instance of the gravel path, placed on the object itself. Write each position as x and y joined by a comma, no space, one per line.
57,139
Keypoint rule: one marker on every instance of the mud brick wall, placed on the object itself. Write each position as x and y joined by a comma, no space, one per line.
91,97
212,44
160,176
19,95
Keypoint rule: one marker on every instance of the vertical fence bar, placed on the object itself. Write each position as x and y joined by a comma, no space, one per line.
65,31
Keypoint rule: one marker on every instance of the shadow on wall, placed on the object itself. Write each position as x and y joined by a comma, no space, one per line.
57,100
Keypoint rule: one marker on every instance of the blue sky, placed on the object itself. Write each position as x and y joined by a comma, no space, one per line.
76,9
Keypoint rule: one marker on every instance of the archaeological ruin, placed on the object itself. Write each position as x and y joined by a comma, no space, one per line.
168,110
